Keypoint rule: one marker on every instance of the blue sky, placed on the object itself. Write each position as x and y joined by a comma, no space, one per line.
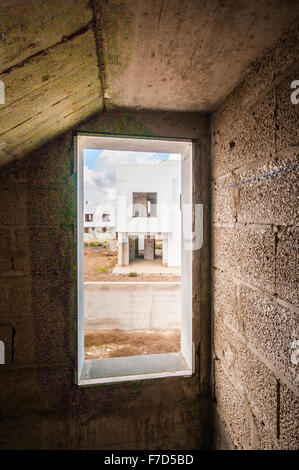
91,156
99,171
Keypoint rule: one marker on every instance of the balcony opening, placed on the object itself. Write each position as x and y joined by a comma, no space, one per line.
144,204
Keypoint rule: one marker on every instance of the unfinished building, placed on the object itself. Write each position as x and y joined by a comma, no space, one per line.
223,74
99,222
148,202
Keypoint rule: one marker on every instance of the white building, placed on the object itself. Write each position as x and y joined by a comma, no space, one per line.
147,209
99,222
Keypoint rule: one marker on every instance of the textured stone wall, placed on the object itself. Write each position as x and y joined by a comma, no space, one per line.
40,405
255,149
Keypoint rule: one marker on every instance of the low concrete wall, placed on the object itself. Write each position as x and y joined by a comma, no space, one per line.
131,306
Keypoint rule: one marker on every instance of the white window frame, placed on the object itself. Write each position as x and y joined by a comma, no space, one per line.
2,352
121,369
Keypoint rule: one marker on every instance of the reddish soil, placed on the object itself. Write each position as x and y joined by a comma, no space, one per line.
97,258
120,343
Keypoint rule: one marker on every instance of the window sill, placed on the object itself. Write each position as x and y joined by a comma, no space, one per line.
124,369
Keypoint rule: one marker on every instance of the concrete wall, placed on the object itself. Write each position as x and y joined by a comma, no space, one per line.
40,405
255,148
143,306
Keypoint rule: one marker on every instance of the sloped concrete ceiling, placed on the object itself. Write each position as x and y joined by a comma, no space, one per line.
62,61
185,55
50,70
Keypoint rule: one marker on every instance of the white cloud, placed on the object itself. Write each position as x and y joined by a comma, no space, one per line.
97,187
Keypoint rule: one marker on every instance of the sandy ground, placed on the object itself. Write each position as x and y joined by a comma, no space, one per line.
142,266
99,263
120,343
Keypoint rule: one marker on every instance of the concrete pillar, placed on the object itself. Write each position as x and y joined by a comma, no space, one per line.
132,248
123,249
136,247
149,248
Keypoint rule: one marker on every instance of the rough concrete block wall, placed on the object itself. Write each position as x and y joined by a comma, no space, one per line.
40,405
255,148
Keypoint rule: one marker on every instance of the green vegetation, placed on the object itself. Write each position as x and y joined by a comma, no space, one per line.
132,274
158,243
102,270
93,243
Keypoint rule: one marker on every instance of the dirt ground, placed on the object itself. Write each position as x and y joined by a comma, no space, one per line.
99,263
120,343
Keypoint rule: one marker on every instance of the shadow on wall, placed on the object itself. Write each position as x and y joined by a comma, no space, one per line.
43,290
